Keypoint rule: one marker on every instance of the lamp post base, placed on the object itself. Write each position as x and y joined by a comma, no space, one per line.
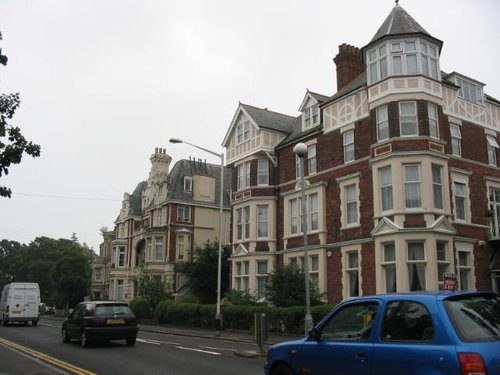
308,323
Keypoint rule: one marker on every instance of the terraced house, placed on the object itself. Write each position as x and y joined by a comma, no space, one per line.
160,223
402,177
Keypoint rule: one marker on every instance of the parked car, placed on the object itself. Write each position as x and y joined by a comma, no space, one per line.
393,334
100,320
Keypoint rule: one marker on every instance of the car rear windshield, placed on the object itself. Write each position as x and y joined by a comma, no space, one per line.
475,318
118,309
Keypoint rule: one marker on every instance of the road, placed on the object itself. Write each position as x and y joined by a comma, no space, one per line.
153,353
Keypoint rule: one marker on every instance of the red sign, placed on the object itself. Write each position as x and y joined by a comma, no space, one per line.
450,280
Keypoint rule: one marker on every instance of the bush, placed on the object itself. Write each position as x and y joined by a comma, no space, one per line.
140,308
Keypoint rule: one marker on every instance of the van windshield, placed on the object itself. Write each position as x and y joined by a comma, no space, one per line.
118,309
475,318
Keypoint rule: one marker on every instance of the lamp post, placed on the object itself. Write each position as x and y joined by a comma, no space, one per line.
221,202
300,150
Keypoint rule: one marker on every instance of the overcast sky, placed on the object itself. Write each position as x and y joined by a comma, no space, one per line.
104,82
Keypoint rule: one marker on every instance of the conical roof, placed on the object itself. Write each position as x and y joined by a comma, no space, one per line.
399,22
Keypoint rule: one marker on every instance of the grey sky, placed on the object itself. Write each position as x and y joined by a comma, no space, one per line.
104,82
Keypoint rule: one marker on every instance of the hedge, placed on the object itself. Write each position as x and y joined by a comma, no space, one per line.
236,317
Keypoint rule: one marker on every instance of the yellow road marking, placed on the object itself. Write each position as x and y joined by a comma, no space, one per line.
44,357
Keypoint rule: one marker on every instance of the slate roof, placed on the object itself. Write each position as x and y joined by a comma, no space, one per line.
269,119
399,22
191,168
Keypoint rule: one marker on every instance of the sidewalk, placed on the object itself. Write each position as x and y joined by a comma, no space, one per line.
229,335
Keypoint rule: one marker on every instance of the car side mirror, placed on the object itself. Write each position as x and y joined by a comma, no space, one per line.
314,334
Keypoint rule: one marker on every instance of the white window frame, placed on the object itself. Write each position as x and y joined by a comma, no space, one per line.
348,146
386,186
261,276
262,221
311,116
188,183
351,201
243,223
183,242
352,272
243,175
464,270
159,252
184,213
460,198
243,132
437,187
443,264
120,259
432,114
382,115
262,172
416,262
408,121
492,146
311,160
469,91
409,185
389,263
98,274
456,140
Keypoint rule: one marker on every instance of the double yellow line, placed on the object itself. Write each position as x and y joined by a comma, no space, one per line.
47,358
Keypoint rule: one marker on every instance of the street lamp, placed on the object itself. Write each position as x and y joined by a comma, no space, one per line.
219,262
300,150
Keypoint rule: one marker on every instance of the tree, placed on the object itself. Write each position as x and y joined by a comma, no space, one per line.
15,144
152,290
285,287
61,268
8,264
202,271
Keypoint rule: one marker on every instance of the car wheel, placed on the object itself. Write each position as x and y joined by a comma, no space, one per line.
5,323
130,341
34,323
64,334
84,340
282,369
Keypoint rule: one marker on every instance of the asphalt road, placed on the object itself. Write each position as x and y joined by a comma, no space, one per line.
40,350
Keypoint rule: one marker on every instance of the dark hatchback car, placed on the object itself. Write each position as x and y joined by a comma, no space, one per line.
100,320
435,333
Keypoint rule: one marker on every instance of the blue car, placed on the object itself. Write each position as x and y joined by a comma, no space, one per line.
424,333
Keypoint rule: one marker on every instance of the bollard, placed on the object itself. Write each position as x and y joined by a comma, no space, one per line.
260,330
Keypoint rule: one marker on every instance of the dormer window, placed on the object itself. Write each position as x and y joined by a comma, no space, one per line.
470,91
311,117
402,57
188,183
243,131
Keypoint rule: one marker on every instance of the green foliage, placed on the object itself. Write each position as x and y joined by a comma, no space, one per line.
202,272
61,268
151,289
237,317
15,144
189,298
241,297
285,287
140,308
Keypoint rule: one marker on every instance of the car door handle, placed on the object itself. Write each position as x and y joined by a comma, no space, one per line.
361,354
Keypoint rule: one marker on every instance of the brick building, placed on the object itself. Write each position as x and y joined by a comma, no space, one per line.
402,178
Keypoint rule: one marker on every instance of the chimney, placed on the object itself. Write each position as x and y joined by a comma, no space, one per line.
349,65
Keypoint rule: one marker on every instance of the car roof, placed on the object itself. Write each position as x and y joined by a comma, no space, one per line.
105,302
424,295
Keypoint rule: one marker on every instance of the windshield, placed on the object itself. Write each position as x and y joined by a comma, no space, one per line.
118,309
475,318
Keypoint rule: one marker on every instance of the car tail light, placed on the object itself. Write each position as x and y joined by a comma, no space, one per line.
472,364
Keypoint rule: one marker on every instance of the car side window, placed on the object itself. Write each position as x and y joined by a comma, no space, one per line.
351,322
406,321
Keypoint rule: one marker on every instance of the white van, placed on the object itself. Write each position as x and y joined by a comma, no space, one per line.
20,303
